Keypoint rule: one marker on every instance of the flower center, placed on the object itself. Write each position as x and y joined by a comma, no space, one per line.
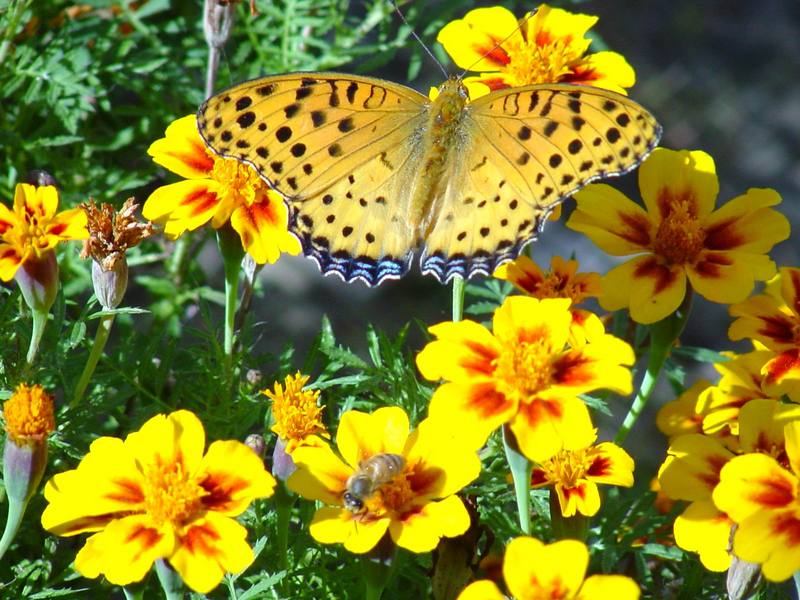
32,233
295,410
680,237
531,62
390,497
171,494
29,413
555,285
239,181
524,368
567,467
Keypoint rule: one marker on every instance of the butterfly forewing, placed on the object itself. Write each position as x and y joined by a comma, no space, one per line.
341,149
528,149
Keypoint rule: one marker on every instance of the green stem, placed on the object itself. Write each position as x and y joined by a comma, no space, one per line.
16,9
133,594
230,247
520,468
178,258
100,339
458,298
796,580
170,581
283,505
39,322
13,521
662,338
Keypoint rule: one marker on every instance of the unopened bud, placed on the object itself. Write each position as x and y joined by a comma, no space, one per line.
37,278
110,286
282,462
256,442
218,21
253,376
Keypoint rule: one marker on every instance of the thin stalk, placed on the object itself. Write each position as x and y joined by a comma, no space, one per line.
39,322
283,505
796,580
13,522
170,581
230,247
520,468
458,298
662,338
100,339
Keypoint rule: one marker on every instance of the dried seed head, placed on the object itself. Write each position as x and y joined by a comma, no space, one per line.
112,234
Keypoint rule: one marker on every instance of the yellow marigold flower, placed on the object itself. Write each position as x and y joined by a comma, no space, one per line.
219,190
416,504
522,373
549,46
298,417
773,319
576,470
155,495
692,469
29,414
679,236
561,281
532,569
33,227
761,494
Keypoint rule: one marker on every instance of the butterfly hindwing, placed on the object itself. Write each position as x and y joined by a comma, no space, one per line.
338,148
529,148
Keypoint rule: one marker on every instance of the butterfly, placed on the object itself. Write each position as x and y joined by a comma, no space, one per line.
372,170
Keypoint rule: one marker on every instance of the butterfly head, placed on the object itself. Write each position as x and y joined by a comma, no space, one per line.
450,102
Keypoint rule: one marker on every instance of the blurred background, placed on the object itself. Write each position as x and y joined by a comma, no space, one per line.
90,85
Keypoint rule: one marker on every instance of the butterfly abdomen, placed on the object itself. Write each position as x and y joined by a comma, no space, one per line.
444,126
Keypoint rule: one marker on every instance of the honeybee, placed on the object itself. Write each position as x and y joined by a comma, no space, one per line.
372,473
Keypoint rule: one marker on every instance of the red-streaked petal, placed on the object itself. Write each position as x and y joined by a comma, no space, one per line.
691,470
462,351
183,206
182,150
649,288
10,260
476,409
234,476
421,529
727,277
337,525
687,176
362,435
125,550
754,483
613,222
208,548
542,426
473,42
262,226
747,224
782,375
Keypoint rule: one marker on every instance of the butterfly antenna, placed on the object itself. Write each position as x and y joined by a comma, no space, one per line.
501,42
416,37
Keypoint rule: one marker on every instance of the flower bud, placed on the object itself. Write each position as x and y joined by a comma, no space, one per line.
282,462
110,286
37,278
256,443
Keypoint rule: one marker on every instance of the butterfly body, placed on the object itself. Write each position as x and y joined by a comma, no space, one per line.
372,170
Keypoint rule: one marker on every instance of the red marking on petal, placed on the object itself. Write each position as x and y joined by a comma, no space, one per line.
480,364
495,83
486,401
127,491
572,369
94,522
794,276
581,74
201,539
578,490
538,410
600,467
493,53
723,236
579,317
57,229
653,269
782,364
772,492
145,538
715,462
685,198
199,159
8,253
710,263
410,514
777,327
201,201
539,477
422,479
221,490
637,229
787,525
543,38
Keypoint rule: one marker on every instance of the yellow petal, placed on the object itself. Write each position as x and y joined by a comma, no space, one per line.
182,150
602,587
233,475
473,410
321,475
421,529
263,228
607,70
472,42
532,569
541,427
481,590
747,224
172,438
686,174
702,528
753,483
770,538
614,223
462,351
209,548
182,206
10,260
337,525
680,416
582,497
125,550
692,467
521,318
361,435
761,424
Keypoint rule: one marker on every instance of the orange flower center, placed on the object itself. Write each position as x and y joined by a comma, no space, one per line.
524,368
567,467
295,410
239,181
29,413
392,496
557,285
680,237
32,230
171,495
531,62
